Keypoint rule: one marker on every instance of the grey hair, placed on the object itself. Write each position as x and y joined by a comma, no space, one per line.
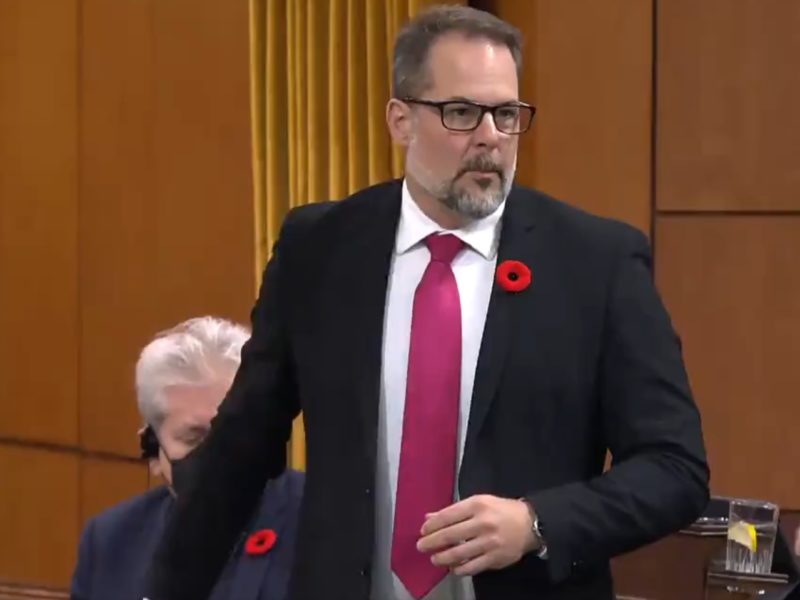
413,44
199,351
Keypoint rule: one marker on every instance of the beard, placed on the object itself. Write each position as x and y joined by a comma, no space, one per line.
455,194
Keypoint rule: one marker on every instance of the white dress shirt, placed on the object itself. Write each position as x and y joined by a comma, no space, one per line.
474,270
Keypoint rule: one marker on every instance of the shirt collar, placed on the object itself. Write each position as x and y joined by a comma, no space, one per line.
481,235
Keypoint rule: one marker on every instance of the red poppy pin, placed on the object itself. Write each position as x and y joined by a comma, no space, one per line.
513,275
260,542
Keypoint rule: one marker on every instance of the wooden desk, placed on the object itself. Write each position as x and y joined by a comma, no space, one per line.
19,591
675,567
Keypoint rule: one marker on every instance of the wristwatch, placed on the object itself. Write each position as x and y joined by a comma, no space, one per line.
536,529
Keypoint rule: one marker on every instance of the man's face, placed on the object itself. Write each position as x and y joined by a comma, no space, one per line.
470,172
188,413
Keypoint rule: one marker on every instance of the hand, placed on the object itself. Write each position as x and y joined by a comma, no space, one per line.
797,542
479,533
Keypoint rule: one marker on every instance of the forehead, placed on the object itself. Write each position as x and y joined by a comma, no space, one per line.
472,67
186,400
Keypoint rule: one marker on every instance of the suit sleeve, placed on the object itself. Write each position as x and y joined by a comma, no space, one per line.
658,481
81,587
219,484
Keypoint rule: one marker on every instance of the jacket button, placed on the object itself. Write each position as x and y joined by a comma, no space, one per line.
367,491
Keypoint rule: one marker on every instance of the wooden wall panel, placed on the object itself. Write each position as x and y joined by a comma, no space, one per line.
38,220
166,206
118,215
205,229
588,70
733,287
105,482
728,96
38,515
125,206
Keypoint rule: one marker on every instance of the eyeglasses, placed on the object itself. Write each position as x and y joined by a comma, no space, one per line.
512,118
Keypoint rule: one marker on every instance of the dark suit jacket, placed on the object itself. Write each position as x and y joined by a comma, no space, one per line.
583,360
118,545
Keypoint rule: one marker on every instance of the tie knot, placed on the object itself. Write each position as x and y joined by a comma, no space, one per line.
443,248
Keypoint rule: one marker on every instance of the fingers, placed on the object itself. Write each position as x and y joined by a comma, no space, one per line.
449,536
455,513
461,553
473,567
474,535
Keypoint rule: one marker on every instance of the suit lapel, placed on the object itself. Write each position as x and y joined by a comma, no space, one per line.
518,241
363,266
152,531
248,573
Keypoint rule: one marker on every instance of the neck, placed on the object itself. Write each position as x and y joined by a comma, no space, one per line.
434,208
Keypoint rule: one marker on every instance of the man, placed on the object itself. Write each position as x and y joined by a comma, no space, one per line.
464,353
181,378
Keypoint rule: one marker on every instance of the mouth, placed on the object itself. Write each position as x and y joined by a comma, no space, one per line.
483,179
482,174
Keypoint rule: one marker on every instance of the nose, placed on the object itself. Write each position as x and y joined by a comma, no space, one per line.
486,134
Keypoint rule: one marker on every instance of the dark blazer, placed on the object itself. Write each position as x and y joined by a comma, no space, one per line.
582,361
117,546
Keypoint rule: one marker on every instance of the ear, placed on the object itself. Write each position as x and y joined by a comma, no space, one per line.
398,119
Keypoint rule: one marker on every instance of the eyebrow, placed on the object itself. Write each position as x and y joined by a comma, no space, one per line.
473,101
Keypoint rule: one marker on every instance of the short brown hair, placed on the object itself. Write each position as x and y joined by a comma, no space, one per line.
413,43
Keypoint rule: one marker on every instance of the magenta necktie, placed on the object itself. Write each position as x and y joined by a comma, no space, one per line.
426,478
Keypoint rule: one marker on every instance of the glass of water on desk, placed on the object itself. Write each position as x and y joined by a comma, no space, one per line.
752,527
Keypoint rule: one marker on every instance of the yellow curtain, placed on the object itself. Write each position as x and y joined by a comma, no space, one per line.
320,79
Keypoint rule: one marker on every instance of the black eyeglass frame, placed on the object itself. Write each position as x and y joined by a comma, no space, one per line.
490,108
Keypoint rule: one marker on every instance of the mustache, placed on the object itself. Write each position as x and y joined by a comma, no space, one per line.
483,164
